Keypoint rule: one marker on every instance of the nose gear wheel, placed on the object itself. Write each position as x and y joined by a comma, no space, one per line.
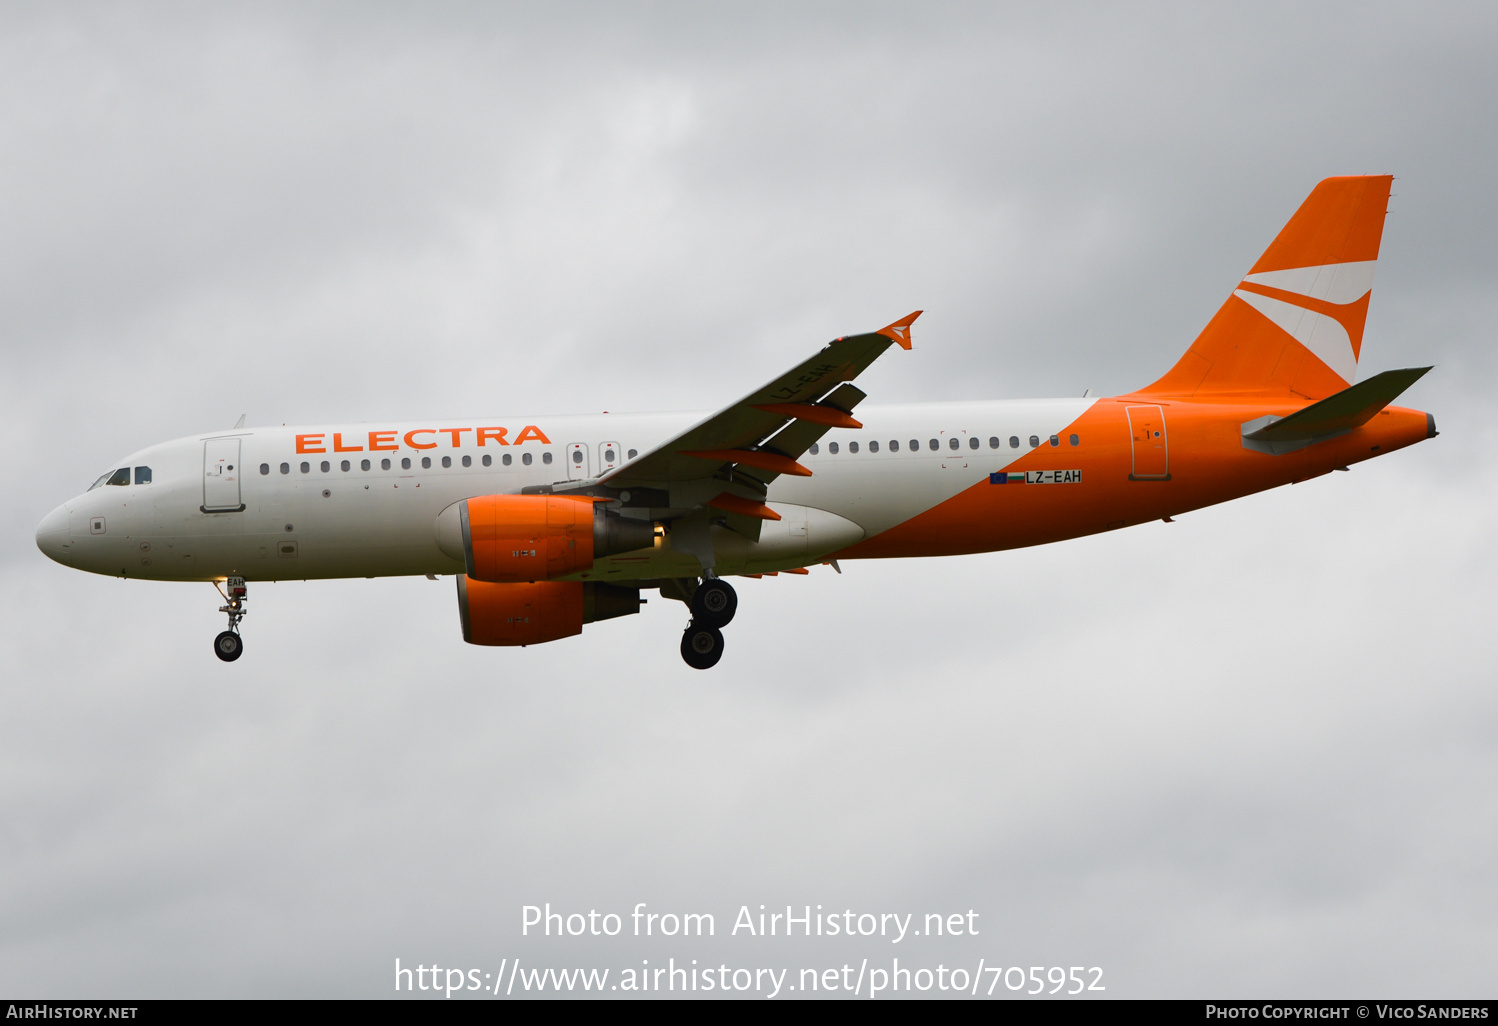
228,646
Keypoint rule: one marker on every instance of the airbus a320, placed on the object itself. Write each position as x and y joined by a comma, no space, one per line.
551,523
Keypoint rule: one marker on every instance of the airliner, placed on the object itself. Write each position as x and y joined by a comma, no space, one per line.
551,523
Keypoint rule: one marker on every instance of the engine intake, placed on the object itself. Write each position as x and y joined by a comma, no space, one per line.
515,538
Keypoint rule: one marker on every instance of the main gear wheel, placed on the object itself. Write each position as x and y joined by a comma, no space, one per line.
701,646
714,603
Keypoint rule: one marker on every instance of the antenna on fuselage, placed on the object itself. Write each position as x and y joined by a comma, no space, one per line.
240,422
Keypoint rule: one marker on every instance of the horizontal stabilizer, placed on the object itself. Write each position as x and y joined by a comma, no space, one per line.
1334,415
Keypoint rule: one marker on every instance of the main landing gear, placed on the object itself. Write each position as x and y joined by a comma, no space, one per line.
713,605
229,646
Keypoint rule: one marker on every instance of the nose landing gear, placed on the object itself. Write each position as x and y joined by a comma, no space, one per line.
229,646
713,605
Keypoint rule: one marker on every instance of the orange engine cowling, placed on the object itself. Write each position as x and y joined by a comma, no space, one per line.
527,537
514,538
537,611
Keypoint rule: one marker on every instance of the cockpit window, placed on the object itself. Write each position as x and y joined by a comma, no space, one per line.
99,482
142,475
119,477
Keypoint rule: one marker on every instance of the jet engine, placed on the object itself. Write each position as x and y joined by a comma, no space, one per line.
515,538
537,611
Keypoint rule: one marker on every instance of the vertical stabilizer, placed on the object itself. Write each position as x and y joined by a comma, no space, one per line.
1294,326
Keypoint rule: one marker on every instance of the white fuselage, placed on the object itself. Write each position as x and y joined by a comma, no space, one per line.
259,502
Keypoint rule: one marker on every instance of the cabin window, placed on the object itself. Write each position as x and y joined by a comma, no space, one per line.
343,466
447,461
326,466
546,457
306,468
1014,441
832,448
852,446
405,463
894,445
815,448
972,443
488,460
1034,441
935,445
426,463
1055,441
577,457
507,459
526,458
1074,440
608,455
264,470
385,464
873,447
286,468
953,443
633,453
467,461
363,464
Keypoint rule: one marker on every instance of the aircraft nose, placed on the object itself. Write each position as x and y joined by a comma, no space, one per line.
52,535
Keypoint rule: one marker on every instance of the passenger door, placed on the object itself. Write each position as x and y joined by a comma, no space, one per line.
221,472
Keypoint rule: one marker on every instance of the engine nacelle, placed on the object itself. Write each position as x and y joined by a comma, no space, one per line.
538,611
514,538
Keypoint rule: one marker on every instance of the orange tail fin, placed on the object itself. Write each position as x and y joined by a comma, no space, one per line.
1294,325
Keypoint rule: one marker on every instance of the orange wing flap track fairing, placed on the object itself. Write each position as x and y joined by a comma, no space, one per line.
552,525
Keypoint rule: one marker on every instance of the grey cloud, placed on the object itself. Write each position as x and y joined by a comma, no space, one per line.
1246,753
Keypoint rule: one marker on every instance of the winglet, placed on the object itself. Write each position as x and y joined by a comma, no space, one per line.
900,330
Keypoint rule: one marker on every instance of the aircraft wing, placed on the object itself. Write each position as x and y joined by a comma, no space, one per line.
761,436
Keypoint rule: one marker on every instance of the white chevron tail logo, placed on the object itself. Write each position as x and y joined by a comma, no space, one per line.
1325,285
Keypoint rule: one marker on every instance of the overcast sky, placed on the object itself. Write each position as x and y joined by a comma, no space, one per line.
1251,753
